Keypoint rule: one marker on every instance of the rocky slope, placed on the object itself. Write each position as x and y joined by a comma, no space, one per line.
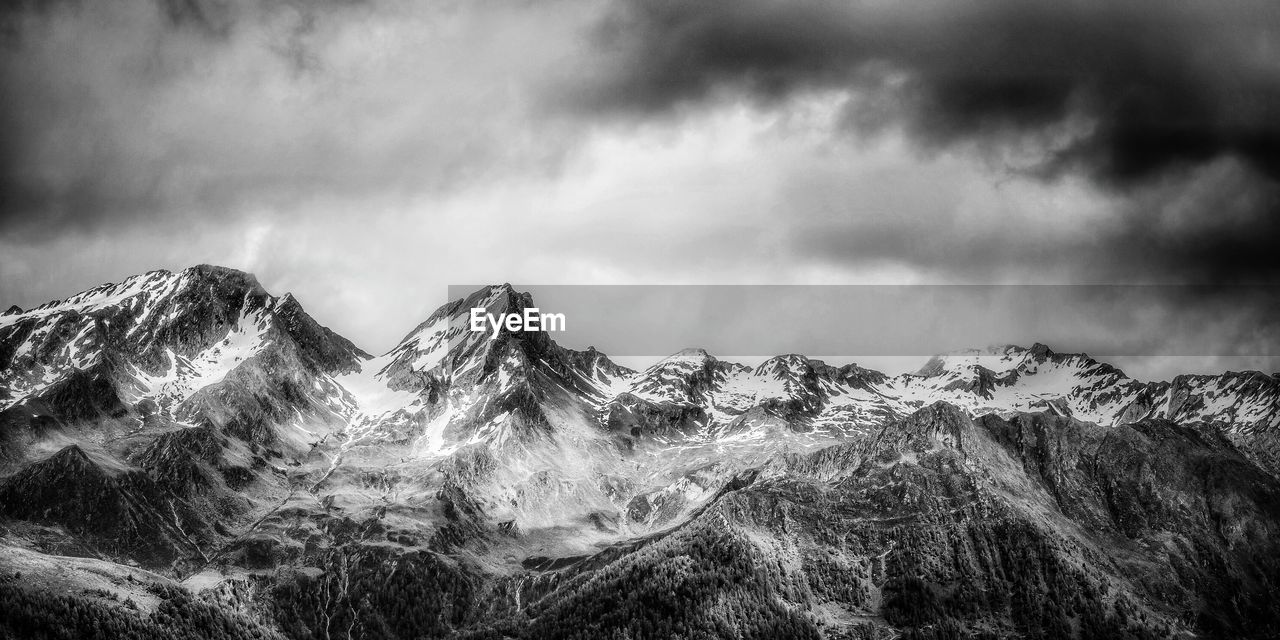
942,526
288,483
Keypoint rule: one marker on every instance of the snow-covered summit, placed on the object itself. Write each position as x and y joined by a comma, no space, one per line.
186,339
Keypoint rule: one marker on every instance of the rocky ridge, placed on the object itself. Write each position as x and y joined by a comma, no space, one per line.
220,435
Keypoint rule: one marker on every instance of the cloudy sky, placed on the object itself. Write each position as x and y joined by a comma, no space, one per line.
365,155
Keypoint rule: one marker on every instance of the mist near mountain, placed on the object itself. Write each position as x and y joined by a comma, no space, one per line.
185,454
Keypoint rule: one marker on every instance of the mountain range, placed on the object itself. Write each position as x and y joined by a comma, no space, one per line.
186,453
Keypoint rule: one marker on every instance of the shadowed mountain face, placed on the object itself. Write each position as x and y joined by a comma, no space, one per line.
188,450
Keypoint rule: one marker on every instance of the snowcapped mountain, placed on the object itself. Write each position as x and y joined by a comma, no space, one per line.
213,431
838,402
1013,379
186,342
442,368
206,345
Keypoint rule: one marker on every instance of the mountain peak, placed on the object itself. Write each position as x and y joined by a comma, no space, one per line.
784,365
219,274
994,358
692,353
937,423
71,452
1041,351
501,298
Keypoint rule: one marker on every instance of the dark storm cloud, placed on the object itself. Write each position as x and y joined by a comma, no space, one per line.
1158,84
80,80
1216,224
1220,225
1172,107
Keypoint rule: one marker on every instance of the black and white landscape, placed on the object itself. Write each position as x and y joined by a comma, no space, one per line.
309,442
189,455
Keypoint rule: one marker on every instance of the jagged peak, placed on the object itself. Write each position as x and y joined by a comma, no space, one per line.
781,365
446,340
695,358
935,366
149,321
70,452
937,421
787,358
215,269
70,462
501,295
1041,351
157,283
105,293
592,357
940,410
691,353
498,298
855,374
217,275
998,360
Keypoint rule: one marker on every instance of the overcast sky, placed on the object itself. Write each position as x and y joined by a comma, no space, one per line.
365,155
